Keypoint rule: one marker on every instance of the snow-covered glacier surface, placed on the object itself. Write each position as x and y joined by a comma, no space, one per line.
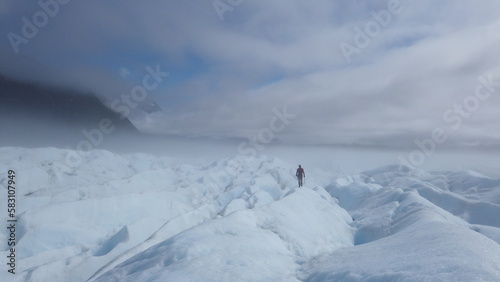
99,216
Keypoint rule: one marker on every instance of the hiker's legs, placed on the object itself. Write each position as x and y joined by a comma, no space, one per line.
300,181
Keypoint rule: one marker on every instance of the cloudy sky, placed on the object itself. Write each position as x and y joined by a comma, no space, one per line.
323,72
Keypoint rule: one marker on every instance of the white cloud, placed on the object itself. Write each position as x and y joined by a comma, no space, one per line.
226,76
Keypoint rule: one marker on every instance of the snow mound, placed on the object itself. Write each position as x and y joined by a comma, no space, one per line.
263,244
417,227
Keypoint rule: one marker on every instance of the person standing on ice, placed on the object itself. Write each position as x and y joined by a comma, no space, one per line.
300,174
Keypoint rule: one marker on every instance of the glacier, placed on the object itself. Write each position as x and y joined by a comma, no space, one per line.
140,217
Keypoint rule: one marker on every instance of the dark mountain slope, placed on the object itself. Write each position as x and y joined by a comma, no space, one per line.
52,116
